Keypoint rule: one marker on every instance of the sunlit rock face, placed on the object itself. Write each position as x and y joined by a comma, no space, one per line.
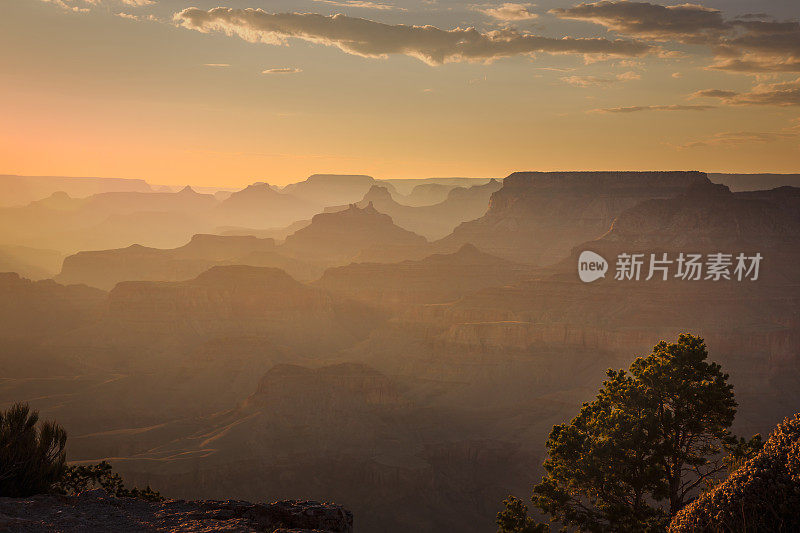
537,217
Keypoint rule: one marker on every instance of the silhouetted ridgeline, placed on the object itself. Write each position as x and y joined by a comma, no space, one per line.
20,190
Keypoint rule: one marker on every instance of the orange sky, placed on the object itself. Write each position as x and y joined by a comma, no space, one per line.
94,93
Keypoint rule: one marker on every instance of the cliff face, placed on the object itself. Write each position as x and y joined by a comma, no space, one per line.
443,409
438,220
38,309
436,279
432,221
230,301
331,189
427,194
339,236
187,200
707,219
751,327
537,217
261,206
106,268
711,217
618,314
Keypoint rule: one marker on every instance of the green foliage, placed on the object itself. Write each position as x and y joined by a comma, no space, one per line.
654,437
33,461
514,518
32,457
763,494
78,478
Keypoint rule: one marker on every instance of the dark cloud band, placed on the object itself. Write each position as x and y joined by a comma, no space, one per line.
640,108
739,45
782,94
368,38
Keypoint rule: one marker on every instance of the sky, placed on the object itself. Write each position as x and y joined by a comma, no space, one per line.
229,92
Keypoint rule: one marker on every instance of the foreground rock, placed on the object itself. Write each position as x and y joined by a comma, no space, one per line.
95,510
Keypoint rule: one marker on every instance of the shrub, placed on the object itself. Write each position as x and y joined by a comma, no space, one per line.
32,456
78,478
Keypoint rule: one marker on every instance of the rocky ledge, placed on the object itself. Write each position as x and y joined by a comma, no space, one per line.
96,511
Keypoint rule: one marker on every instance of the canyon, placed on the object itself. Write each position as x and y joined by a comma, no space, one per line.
412,381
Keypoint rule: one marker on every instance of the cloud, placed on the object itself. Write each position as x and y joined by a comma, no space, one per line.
217,65
735,138
288,70
596,81
130,16
685,22
786,93
631,63
628,76
69,5
587,81
744,44
361,4
760,46
368,38
83,6
714,93
753,16
757,65
508,11
636,109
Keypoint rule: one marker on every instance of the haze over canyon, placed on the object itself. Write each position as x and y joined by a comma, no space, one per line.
401,349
